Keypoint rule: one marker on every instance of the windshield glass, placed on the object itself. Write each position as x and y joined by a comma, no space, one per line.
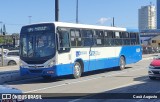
37,45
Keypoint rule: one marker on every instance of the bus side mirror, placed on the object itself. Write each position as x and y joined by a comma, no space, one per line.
58,42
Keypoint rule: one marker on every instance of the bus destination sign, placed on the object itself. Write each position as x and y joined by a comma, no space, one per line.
41,28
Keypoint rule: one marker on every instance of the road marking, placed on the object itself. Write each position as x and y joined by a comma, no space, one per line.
110,90
69,83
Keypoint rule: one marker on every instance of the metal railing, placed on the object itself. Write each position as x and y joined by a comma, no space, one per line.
151,50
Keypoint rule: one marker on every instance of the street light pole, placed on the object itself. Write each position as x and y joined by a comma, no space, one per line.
77,11
113,22
56,10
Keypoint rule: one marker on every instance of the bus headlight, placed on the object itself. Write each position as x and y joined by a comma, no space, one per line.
51,63
22,64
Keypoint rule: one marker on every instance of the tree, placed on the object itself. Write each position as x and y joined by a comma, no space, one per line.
1,40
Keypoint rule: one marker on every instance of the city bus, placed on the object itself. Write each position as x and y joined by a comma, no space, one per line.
56,49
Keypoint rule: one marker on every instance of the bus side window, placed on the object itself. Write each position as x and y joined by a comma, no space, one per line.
64,41
133,38
75,38
118,38
126,38
98,38
87,37
109,38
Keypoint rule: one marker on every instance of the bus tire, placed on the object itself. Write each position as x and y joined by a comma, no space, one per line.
122,63
77,70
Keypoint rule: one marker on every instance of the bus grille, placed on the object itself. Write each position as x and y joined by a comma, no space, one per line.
35,71
36,66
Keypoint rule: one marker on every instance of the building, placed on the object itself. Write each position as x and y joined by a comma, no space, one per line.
158,14
147,17
155,41
147,35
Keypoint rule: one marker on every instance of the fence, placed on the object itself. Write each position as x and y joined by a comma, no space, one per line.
151,50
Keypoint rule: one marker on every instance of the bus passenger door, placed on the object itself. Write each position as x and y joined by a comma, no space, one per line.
64,56
87,36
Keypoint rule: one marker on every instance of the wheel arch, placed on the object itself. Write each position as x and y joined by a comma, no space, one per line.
11,61
123,57
81,63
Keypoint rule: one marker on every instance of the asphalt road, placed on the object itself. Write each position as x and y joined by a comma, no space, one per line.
107,84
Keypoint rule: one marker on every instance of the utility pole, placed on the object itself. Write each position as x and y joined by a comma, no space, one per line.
113,22
77,11
56,10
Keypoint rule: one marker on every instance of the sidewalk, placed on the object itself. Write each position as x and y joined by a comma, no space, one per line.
5,69
149,56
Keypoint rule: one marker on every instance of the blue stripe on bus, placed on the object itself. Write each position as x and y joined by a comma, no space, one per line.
95,64
130,55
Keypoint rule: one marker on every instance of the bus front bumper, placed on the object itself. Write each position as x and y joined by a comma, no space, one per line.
38,71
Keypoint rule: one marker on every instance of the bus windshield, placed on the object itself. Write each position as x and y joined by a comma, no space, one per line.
37,45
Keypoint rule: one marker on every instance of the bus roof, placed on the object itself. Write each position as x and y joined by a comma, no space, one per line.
86,26
64,24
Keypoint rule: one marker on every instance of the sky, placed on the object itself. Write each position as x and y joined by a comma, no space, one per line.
17,13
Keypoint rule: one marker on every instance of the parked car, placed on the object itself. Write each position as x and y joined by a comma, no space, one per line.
8,46
10,58
12,53
154,68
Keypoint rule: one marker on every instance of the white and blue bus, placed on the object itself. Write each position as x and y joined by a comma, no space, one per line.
58,48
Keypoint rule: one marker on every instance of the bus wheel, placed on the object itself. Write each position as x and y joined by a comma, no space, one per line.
122,63
77,70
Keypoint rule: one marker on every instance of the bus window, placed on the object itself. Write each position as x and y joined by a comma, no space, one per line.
133,38
30,46
126,38
64,41
98,38
132,35
117,35
87,37
109,38
118,39
75,38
